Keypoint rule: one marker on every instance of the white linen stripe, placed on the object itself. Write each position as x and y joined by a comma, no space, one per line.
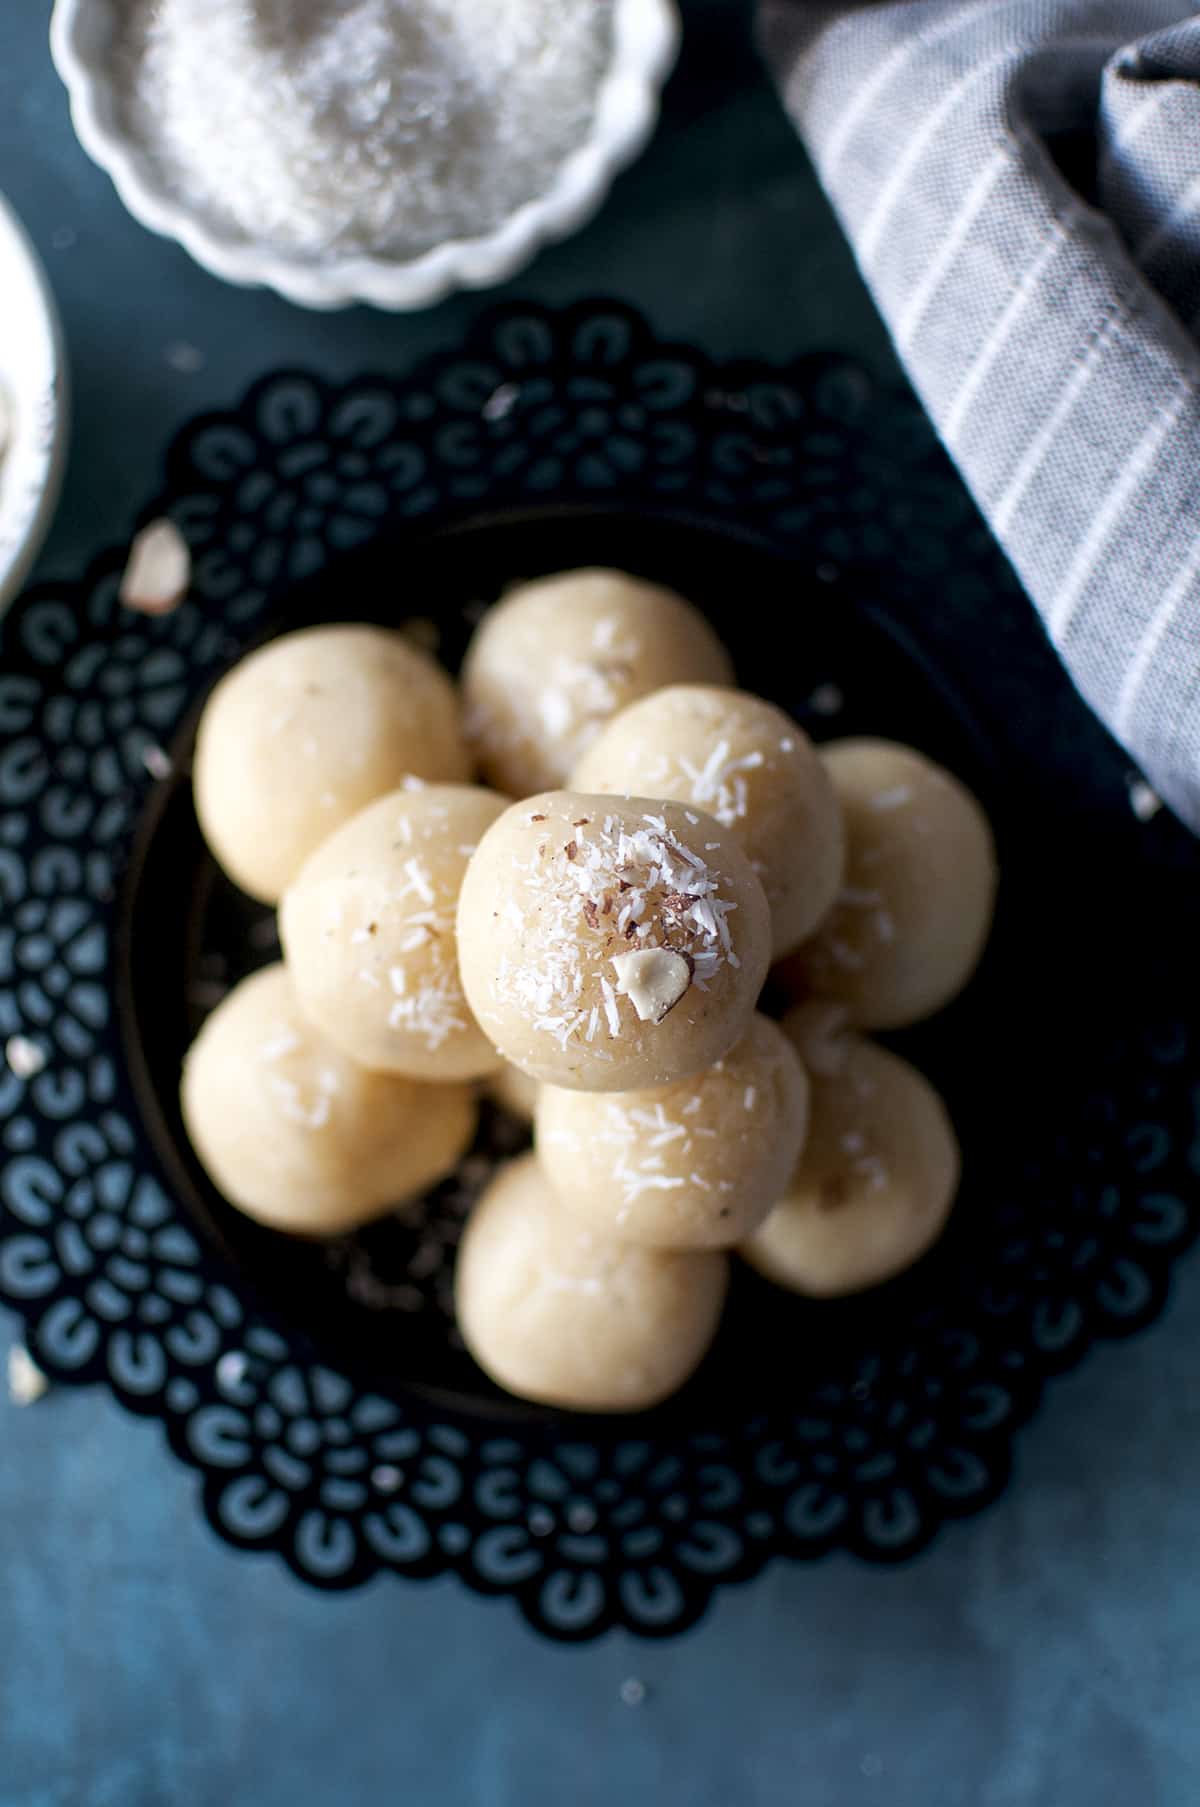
1187,202
1136,121
972,205
865,97
1151,640
1062,607
992,346
1031,458
876,220
1034,452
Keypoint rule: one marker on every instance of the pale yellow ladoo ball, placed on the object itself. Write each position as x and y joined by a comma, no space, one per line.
298,1136
693,1165
878,1175
304,732
561,1316
608,944
916,906
750,766
557,658
368,932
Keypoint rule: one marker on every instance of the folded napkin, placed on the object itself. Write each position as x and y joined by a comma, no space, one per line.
1047,320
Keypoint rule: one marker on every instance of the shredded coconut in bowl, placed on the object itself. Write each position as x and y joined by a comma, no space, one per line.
329,128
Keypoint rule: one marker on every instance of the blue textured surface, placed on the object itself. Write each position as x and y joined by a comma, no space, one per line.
1044,1655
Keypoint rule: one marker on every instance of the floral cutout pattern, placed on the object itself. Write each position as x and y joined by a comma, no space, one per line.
115,1284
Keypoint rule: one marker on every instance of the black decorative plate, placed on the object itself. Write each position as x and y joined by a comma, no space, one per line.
814,515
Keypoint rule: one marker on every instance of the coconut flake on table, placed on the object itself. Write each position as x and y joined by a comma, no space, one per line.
330,127
157,761
26,1382
1144,801
827,699
25,1058
158,570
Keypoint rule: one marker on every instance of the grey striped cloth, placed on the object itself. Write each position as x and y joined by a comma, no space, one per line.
1048,327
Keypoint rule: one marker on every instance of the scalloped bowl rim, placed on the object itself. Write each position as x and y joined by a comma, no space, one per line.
33,369
646,42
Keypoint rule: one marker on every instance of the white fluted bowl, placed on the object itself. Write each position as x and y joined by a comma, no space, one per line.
645,43
33,381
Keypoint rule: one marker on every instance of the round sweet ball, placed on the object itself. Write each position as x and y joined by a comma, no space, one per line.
298,1136
368,932
915,910
514,1091
559,1315
557,658
696,1165
304,732
750,766
608,944
878,1175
